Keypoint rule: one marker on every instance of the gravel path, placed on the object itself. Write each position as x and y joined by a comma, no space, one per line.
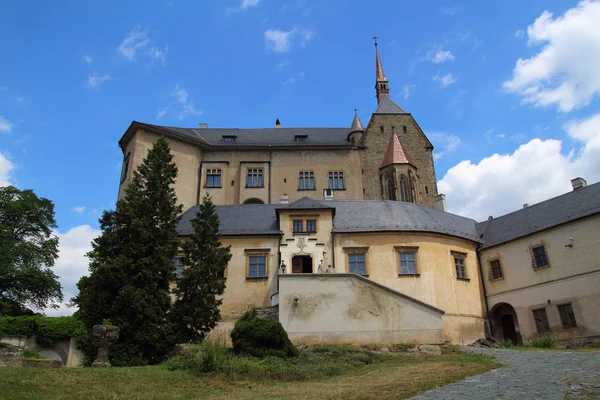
528,375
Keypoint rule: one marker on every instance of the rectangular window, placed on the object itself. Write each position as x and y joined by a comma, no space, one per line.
540,259
125,167
213,178
306,181
301,138
495,270
178,266
311,225
229,139
298,225
541,320
336,180
567,316
461,269
408,262
257,267
356,264
254,179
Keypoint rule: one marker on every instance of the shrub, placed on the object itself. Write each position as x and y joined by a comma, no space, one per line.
507,343
543,342
261,337
201,358
27,353
47,330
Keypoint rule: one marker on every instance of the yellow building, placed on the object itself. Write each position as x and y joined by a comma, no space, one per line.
344,230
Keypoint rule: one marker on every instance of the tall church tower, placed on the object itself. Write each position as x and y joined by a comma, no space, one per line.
396,157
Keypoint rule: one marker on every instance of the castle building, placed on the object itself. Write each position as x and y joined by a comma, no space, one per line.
342,229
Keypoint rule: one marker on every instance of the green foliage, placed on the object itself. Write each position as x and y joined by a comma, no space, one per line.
261,337
130,266
507,343
196,310
311,363
28,249
47,330
542,342
28,353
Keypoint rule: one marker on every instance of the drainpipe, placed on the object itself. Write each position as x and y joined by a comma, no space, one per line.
487,308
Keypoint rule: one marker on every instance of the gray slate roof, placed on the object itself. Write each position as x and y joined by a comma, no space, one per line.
538,217
350,216
387,106
244,219
261,137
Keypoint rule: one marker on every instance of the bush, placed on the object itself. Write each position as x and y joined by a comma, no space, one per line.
201,358
47,330
261,337
543,342
27,353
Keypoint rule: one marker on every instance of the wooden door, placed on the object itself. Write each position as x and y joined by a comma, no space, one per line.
297,265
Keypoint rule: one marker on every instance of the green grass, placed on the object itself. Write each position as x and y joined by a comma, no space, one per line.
395,376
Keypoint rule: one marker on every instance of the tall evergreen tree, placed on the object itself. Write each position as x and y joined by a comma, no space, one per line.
130,264
196,309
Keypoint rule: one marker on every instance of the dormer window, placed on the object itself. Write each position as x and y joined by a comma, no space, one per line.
228,138
300,138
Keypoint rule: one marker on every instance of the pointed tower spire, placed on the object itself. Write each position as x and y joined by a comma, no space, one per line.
381,82
357,126
395,154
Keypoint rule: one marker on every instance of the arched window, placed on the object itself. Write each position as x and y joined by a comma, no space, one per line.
405,189
391,189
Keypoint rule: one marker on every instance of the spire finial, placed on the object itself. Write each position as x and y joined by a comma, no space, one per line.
355,112
375,39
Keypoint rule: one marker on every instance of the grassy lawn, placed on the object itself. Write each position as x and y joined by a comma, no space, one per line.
399,376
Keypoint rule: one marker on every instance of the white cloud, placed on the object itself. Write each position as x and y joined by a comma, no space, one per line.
88,59
95,79
79,209
5,125
136,40
282,41
407,89
244,5
159,54
447,142
565,71
445,80
294,79
182,107
6,168
519,33
534,172
438,56
72,263
20,99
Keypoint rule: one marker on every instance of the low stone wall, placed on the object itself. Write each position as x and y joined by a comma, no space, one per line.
580,342
10,356
37,363
267,312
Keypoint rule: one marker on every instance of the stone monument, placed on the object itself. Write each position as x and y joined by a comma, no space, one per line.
105,335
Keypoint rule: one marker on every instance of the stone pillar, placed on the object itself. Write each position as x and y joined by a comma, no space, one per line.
105,335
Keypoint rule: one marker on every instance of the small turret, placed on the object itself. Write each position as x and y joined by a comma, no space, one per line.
356,129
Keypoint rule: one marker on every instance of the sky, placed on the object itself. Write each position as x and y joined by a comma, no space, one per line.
506,91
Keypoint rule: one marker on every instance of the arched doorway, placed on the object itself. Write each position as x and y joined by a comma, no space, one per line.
254,200
505,322
302,264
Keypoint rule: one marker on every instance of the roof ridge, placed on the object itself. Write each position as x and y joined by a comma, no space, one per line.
531,206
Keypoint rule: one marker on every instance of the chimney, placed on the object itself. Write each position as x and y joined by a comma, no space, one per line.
277,123
525,205
578,183
440,202
284,199
203,125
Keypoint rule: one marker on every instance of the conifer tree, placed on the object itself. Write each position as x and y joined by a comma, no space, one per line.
130,265
196,309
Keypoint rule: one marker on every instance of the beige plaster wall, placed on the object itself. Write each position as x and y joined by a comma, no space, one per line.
573,276
187,158
436,283
317,244
344,309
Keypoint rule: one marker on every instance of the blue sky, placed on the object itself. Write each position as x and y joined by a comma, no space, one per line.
75,74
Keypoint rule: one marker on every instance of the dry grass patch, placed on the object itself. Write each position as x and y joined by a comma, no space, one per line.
397,377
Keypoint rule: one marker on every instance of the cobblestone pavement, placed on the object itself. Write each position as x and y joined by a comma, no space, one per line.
528,375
